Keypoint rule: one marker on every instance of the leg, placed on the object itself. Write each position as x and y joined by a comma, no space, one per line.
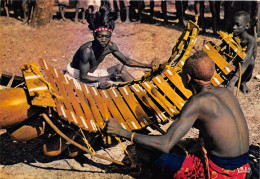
151,10
202,8
214,16
6,9
246,77
122,11
127,9
62,12
228,13
83,15
117,4
25,12
77,13
164,11
217,6
112,5
140,9
196,7
179,11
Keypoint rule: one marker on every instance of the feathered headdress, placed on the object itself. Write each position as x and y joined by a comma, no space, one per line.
103,19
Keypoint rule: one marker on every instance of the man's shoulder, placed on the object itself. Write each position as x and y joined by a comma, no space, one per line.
249,39
112,46
86,45
213,93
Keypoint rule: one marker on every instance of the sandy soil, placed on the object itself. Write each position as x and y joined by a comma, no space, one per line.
57,43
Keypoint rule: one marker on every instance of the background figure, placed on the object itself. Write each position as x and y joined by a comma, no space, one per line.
135,10
241,23
71,4
181,7
215,11
18,6
163,9
252,7
121,7
94,5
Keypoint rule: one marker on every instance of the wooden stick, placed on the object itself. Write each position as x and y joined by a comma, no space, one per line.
47,119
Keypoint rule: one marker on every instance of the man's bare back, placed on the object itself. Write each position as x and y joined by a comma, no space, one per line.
219,113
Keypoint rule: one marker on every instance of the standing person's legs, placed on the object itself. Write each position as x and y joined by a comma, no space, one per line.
202,8
181,6
124,9
228,13
164,11
178,6
214,16
217,6
127,8
151,10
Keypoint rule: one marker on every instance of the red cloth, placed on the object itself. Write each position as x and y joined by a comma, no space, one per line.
221,173
192,167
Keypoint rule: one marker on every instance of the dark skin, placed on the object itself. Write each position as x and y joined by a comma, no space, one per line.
213,110
92,53
240,25
214,8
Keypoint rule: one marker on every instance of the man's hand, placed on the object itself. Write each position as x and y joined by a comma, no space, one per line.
232,83
116,77
231,86
155,62
112,127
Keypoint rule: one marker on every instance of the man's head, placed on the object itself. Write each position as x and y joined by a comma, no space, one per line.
198,67
241,22
102,24
103,36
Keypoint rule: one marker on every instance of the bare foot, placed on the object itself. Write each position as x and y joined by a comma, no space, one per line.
244,88
127,21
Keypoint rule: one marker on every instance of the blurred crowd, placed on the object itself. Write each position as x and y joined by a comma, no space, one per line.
148,11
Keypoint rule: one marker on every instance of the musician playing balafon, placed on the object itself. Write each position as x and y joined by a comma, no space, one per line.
215,112
88,57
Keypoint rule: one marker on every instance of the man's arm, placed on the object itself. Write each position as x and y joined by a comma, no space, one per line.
164,143
245,63
126,60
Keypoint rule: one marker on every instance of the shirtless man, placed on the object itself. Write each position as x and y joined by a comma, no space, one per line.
217,115
87,58
240,26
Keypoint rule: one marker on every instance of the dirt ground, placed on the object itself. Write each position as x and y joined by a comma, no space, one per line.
57,43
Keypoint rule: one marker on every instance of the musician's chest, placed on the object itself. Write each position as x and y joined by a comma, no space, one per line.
96,59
